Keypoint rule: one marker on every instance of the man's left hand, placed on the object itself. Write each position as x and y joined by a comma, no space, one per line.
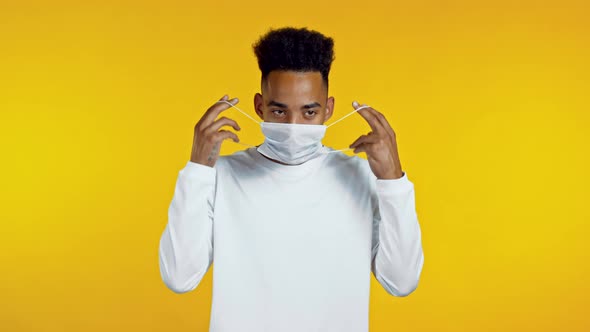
380,145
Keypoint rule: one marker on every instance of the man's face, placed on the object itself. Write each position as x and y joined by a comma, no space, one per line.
294,97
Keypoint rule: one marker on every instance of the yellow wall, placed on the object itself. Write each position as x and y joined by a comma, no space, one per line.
489,101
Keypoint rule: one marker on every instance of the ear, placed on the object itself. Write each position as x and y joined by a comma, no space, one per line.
329,108
258,103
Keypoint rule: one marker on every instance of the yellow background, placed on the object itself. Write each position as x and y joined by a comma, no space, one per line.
489,100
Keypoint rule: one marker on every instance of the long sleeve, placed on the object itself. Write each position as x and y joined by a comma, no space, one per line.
397,256
186,245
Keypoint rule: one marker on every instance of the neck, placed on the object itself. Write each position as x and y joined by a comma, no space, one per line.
276,161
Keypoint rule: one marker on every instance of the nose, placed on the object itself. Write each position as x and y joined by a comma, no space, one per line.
292,118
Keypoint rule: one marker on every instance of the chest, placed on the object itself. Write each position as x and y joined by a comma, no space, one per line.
324,212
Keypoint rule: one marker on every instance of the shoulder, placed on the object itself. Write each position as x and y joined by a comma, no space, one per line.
237,160
352,165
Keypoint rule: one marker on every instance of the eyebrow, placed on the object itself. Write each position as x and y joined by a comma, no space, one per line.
308,106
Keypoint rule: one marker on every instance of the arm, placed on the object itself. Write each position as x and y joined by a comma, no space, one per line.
397,256
186,245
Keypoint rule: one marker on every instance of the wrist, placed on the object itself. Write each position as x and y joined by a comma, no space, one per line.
397,174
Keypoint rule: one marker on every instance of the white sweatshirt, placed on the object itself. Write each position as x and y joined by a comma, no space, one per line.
293,246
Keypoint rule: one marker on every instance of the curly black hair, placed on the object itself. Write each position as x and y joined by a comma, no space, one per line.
297,49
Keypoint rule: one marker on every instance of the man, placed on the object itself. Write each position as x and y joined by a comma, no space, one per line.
295,228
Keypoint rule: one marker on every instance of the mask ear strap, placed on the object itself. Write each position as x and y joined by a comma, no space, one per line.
342,118
347,115
246,114
248,145
259,122
338,150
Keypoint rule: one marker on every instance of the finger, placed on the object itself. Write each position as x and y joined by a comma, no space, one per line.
223,121
357,141
225,134
383,120
364,139
370,117
205,119
360,148
213,112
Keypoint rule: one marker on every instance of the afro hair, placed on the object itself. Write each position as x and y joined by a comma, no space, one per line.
297,49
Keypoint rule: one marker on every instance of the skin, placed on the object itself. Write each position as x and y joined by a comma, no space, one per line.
298,98
294,97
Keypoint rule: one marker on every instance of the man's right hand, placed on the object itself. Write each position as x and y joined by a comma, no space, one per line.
208,136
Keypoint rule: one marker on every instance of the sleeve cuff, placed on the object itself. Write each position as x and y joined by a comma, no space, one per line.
196,170
394,186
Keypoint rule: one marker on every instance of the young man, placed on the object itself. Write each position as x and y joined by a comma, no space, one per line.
295,228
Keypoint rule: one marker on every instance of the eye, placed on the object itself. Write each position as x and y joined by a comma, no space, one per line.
278,112
310,113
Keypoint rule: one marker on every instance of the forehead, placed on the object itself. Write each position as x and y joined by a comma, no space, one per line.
294,86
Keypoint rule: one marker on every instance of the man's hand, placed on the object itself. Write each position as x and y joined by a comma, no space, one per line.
380,145
208,136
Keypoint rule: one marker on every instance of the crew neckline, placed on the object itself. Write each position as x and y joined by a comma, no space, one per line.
289,170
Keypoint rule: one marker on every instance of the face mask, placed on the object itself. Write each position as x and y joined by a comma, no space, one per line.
292,144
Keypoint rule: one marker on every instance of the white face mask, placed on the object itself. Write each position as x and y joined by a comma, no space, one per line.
291,143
